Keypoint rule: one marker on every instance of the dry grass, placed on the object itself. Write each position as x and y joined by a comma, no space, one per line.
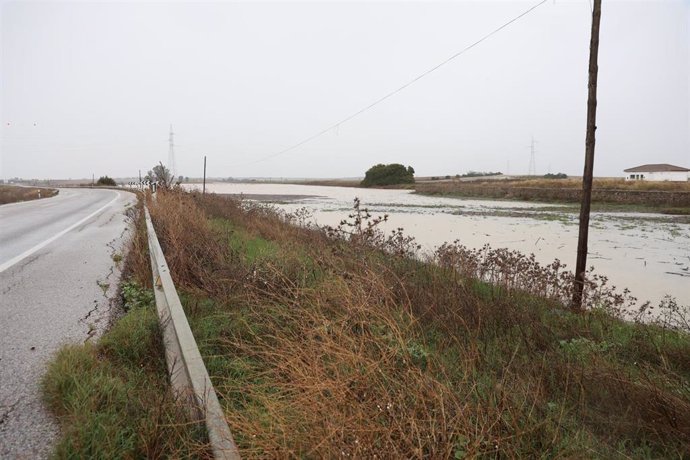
337,344
644,196
606,184
571,183
13,194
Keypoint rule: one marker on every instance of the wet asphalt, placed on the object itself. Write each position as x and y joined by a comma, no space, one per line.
57,282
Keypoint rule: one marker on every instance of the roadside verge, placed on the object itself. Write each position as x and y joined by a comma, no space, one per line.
188,375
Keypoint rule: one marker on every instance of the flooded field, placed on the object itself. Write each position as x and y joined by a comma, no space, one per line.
647,253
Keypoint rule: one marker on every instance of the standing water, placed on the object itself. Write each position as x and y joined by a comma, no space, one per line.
647,253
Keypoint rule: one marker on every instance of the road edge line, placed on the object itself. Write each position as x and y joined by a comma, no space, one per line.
41,245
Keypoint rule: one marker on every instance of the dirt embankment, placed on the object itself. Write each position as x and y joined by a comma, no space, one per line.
560,192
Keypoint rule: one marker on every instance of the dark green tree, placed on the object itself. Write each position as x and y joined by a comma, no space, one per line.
105,180
390,174
555,176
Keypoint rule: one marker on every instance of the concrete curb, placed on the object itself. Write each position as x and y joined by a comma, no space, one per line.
188,374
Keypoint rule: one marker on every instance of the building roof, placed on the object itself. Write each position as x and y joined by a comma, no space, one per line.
656,168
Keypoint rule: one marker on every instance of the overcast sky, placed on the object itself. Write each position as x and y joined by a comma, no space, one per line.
91,88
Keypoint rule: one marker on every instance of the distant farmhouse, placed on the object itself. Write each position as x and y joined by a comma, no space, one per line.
660,172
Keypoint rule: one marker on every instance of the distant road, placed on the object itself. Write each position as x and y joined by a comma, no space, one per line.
57,279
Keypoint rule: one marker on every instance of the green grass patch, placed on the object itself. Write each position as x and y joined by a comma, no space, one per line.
112,398
250,247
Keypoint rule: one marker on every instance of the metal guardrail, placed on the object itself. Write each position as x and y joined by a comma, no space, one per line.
188,374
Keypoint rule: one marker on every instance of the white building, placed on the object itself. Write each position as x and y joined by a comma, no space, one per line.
660,172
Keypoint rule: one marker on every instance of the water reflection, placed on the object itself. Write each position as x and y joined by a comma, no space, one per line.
648,253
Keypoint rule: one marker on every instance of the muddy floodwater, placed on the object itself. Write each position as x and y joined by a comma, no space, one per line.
647,253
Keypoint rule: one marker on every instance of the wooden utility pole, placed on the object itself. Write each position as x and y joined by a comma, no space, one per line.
203,190
581,265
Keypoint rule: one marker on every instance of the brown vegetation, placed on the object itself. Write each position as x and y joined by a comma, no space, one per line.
611,184
337,343
657,194
13,193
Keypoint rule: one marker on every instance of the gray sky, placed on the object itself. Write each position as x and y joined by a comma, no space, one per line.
92,87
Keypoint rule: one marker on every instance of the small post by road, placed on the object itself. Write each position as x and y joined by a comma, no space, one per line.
203,190
140,184
581,265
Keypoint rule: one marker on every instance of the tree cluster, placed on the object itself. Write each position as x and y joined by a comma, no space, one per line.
105,180
390,174
555,176
481,174
161,175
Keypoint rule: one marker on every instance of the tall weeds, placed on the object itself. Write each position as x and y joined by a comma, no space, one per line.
336,343
508,272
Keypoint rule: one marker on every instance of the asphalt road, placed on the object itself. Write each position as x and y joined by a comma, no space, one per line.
57,281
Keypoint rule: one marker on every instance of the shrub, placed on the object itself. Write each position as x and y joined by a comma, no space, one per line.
481,174
105,180
391,174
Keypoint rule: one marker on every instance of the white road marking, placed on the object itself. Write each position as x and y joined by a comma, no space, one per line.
45,243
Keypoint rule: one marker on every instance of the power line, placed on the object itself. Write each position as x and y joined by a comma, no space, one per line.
392,93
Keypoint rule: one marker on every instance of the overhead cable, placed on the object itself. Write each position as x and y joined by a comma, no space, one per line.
394,92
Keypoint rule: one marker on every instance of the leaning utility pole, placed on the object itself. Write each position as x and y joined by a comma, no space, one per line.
581,265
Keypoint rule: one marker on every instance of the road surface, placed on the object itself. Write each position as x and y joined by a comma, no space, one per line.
57,279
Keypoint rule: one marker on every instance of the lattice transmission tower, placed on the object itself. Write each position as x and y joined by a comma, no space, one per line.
171,154
532,162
